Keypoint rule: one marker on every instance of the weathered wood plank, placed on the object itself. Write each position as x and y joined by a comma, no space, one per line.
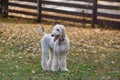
22,5
34,1
22,12
67,12
109,7
111,0
115,24
109,15
65,18
67,4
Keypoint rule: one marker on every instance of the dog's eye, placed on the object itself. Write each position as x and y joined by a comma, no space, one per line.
57,29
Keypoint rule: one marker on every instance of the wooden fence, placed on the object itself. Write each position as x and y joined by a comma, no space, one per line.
80,11
4,8
111,14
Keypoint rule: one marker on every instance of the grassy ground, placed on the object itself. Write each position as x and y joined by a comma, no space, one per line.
94,53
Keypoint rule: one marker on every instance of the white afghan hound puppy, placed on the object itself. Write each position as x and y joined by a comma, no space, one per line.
56,45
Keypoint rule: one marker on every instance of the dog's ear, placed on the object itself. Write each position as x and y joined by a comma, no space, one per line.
63,36
63,32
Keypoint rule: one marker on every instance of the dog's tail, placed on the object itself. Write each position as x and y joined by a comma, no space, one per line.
42,31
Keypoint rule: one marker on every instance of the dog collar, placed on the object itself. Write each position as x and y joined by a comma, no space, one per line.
61,40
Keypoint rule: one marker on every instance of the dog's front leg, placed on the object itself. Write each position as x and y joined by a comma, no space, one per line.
63,62
55,62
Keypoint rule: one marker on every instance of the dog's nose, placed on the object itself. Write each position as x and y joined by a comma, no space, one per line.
52,35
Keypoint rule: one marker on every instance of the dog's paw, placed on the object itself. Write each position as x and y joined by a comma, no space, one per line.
54,69
65,69
45,69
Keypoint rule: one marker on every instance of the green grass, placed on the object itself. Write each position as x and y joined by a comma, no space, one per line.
94,53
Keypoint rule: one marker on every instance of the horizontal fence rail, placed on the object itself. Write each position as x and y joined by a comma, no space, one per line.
101,12
33,1
65,18
22,5
67,12
67,4
111,0
109,7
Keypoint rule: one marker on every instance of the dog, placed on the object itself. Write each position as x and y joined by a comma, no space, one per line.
56,45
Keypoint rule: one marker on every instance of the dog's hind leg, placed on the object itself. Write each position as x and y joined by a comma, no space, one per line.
44,59
49,62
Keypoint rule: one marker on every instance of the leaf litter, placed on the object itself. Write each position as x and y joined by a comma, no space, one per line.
94,53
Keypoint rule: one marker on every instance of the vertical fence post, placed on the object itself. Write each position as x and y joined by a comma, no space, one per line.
4,8
94,13
39,10
0,7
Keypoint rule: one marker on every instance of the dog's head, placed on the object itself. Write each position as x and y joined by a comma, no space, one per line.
58,32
